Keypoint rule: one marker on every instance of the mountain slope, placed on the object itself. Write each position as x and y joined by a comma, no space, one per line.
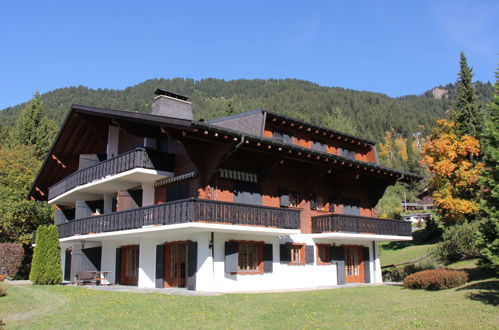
366,114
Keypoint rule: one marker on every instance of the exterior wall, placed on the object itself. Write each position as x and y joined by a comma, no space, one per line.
211,275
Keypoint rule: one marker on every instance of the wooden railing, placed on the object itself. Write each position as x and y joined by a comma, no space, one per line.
136,158
182,211
357,224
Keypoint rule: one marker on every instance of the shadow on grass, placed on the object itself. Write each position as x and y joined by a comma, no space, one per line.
488,294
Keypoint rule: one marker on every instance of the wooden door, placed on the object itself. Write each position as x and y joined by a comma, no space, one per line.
129,265
175,265
354,264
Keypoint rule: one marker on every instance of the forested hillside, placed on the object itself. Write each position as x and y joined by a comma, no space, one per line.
366,114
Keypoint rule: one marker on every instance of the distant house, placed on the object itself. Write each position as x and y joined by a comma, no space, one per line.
420,211
254,201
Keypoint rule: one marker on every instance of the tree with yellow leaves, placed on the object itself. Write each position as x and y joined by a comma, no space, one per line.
450,158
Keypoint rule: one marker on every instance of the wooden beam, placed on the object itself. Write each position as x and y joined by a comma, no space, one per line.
40,191
58,161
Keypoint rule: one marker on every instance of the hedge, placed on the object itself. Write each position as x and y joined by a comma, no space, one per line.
436,279
11,256
46,264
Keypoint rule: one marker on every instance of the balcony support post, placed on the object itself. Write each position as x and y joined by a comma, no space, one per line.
148,194
108,202
147,264
112,141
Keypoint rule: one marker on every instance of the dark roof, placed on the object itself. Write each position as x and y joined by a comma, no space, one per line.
269,141
237,115
322,128
164,92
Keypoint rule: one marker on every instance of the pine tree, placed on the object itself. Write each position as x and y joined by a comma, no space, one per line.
46,264
489,230
467,113
34,128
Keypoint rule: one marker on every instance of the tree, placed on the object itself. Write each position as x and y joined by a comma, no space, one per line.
33,128
19,216
467,113
488,238
454,180
46,264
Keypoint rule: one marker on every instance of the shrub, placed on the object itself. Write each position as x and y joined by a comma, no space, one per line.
436,279
459,243
3,291
2,277
11,256
46,264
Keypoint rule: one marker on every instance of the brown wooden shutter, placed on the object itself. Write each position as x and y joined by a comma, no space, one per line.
231,257
338,257
268,258
285,253
367,269
160,266
309,254
192,265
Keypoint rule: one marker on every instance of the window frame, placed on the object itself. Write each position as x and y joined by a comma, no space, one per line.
327,254
259,257
302,254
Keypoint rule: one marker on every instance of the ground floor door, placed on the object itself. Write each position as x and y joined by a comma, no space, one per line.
129,265
175,265
354,265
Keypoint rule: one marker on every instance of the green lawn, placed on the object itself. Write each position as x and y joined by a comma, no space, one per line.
390,255
49,307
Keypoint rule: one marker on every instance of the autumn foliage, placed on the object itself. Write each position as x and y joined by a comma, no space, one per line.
455,173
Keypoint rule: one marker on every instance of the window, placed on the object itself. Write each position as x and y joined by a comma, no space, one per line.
317,203
351,207
282,136
294,199
320,203
176,191
249,258
297,252
248,193
319,146
323,254
346,153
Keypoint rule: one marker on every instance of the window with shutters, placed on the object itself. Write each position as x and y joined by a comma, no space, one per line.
247,193
297,253
250,258
323,254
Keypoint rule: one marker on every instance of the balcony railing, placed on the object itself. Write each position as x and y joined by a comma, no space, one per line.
183,211
357,224
136,158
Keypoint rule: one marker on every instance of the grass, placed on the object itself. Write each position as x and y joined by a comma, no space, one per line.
44,307
390,256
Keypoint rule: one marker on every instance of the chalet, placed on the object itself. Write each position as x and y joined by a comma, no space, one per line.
253,201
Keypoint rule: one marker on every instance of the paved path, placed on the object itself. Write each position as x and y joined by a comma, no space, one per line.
18,282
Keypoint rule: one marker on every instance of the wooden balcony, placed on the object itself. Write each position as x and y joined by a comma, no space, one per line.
136,158
357,224
183,211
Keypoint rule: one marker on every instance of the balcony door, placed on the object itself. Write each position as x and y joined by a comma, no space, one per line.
175,265
129,265
354,265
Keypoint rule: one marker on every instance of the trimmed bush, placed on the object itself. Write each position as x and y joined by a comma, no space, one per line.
436,279
459,243
46,264
2,277
11,256
3,291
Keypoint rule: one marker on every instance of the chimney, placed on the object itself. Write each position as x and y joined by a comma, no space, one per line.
169,104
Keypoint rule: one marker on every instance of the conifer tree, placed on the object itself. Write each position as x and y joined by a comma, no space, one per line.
46,264
34,128
467,113
489,230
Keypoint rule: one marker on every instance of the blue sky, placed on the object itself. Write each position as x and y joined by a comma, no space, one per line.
392,47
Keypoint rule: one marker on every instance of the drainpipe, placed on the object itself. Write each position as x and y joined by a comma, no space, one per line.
237,146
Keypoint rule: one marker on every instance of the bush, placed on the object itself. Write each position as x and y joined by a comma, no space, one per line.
398,274
436,279
11,256
46,264
2,277
3,291
459,243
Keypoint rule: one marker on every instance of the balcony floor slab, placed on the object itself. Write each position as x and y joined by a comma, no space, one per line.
190,227
109,184
364,236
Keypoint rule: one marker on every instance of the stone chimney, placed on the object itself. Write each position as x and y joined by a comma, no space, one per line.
173,105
